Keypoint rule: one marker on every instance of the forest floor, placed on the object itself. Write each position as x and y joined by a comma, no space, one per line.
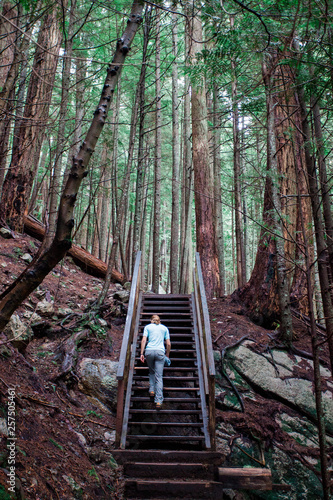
64,441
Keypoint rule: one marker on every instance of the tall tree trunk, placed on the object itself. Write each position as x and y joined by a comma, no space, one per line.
174,250
241,278
323,257
217,192
10,55
141,153
44,263
157,169
19,178
203,174
286,329
187,191
55,188
324,184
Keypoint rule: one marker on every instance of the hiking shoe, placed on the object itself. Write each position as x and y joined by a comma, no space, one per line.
151,394
158,406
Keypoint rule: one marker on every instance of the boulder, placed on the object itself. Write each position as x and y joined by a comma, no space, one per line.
6,233
3,427
26,257
273,376
44,307
122,296
98,379
19,334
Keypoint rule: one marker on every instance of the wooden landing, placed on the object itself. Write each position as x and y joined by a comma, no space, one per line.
170,474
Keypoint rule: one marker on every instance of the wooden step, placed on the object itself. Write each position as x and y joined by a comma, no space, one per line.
170,470
166,424
168,437
145,399
166,378
157,488
168,369
202,457
170,388
164,412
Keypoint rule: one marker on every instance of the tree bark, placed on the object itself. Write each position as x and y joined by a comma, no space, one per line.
157,163
203,174
217,192
241,272
62,242
19,178
174,250
55,187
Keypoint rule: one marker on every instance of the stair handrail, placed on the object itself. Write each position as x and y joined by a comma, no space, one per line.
125,352
207,354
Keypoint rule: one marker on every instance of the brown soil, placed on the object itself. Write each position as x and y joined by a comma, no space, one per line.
50,414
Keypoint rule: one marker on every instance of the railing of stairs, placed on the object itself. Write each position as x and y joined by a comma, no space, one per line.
125,354
206,346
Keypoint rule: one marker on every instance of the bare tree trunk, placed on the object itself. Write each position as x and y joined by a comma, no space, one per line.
141,154
217,192
157,170
241,273
203,175
174,251
324,184
323,257
44,263
55,188
187,192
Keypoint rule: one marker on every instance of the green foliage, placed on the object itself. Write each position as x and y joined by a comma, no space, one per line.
56,444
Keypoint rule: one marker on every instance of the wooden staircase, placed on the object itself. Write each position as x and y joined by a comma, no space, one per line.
168,453
183,420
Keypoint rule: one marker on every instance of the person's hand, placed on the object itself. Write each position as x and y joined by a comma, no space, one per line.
142,358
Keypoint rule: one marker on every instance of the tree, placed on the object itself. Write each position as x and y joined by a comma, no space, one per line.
45,262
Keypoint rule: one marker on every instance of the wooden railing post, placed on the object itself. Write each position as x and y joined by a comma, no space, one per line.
207,354
125,351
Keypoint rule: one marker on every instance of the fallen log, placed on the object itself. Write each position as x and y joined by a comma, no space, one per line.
87,262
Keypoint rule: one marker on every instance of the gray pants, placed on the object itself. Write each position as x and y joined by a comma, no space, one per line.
155,362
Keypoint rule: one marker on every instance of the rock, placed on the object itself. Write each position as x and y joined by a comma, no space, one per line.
3,264
127,286
32,316
6,233
122,296
102,322
19,334
84,288
81,438
64,311
278,381
110,436
45,307
98,379
26,257
3,427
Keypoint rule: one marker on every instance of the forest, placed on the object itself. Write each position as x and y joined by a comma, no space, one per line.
173,128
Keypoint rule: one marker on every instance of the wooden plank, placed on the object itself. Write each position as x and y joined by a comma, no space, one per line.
130,378
129,318
120,411
201,381
170,470
245,478
202,457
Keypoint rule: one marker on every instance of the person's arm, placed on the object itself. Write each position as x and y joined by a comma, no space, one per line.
143,345
168,348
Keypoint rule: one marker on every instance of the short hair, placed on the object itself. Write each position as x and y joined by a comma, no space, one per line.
155,316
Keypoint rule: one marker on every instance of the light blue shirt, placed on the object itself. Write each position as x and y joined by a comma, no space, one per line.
156,334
